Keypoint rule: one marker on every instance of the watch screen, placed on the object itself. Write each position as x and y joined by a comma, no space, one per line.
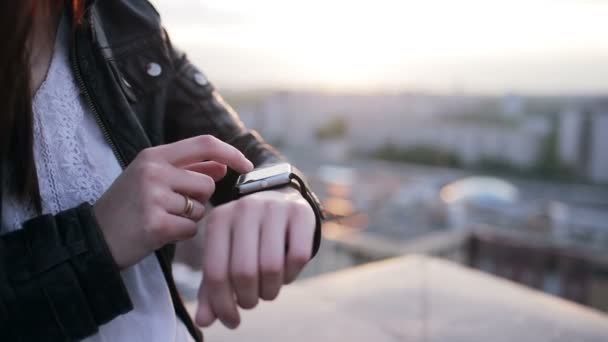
265,172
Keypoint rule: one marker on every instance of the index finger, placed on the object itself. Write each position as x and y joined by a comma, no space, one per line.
203,148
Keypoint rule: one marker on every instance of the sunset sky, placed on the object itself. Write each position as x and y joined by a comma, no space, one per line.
490,46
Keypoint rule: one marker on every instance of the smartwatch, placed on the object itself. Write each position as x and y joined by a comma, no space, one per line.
276,176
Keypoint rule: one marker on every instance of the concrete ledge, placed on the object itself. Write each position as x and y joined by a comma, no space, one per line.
414,298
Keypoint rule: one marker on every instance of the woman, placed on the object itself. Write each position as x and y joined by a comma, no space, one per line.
111,143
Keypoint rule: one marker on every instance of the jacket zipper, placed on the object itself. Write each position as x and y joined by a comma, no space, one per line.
91,103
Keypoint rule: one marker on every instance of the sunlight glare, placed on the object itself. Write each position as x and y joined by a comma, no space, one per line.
350,43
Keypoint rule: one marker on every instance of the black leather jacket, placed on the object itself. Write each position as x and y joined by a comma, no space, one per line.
58,280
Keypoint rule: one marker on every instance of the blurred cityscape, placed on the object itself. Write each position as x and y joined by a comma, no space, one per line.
428,127
524,176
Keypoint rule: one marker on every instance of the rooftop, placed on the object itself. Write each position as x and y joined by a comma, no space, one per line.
414,298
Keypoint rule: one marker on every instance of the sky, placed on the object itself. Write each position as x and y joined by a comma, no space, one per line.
477,46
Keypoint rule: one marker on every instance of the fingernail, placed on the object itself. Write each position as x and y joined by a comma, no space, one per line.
231,324
251,166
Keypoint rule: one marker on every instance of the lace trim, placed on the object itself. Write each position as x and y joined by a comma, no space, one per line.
61,144
63,167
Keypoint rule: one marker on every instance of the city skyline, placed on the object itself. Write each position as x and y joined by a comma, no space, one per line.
492,46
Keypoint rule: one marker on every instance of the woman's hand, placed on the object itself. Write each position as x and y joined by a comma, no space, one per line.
143,209
253,246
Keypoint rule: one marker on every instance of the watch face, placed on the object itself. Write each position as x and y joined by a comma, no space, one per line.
265,172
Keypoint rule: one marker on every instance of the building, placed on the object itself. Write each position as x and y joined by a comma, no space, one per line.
598,162
583,140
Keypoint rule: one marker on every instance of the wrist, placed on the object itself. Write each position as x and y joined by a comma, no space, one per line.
291,189
97,214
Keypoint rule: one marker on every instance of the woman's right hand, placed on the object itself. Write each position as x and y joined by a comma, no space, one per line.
143,209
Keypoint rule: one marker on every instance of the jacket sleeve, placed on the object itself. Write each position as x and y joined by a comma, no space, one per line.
195,107
58,280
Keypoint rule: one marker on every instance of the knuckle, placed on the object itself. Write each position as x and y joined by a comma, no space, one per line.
215,278
215,221
207,140
211,185
242,204
199,212
190,229
156,196
219,217
244,275
147,154
207,184
211,227
150,172
274,205
248,204
273,269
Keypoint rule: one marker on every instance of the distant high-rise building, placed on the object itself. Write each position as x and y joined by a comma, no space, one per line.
570,140
598,145
583,141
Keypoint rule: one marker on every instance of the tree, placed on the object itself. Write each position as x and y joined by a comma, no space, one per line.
334,129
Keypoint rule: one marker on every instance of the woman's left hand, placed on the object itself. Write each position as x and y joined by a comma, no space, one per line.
253,246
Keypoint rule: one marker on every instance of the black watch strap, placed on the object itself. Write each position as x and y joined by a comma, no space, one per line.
314,202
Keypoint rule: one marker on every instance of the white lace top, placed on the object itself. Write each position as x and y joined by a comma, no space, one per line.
75,164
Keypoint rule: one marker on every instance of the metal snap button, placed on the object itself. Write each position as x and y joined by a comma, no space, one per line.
200,79
154,69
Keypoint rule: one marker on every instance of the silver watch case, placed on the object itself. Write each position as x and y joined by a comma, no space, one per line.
271,177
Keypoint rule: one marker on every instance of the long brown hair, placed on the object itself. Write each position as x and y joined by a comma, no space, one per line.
17,165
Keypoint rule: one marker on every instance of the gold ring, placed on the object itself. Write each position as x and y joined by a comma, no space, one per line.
188,208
